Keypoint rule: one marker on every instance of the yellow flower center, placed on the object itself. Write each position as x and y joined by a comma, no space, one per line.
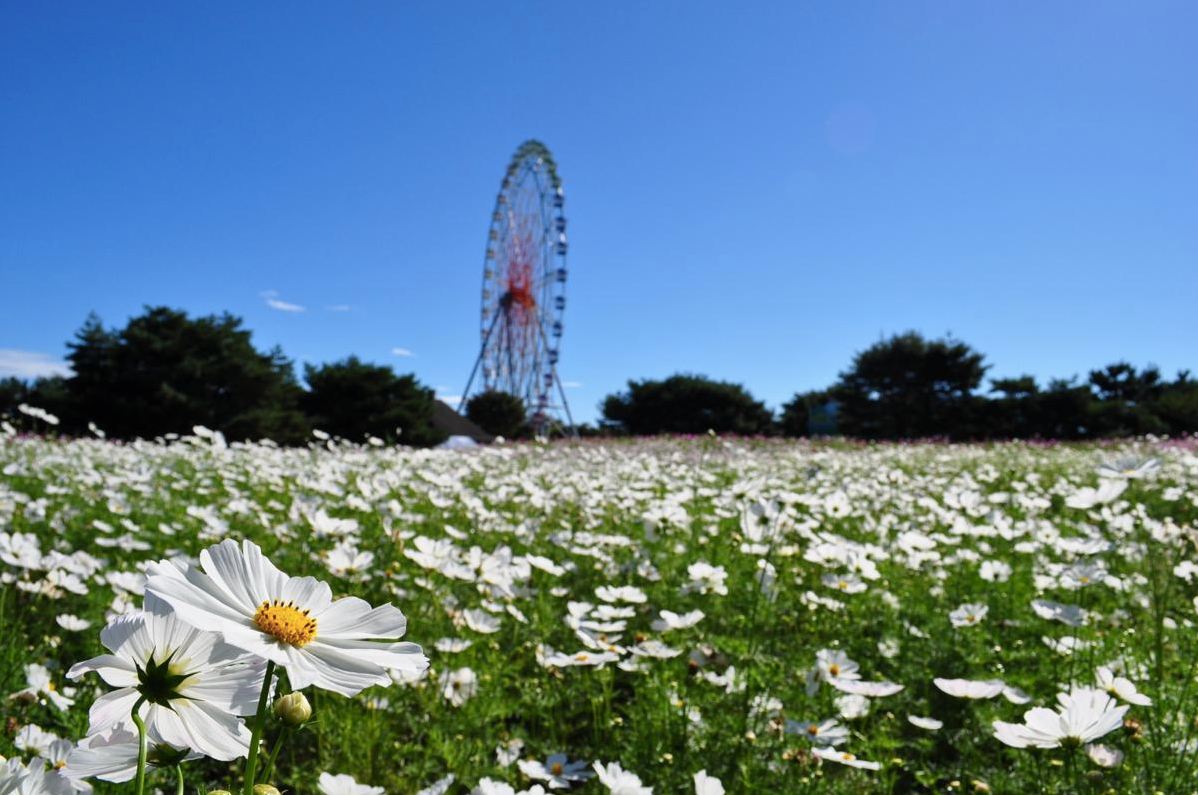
813,730
286,622
834,669
556,768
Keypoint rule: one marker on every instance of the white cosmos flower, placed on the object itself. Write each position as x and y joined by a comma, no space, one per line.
845,583
707,785
706,579
844,758
623,593
440,786
1104,755
1015,695
481,621
852,706
72,623
669,620
1072,615
39,684
193,686
1084,715
33,739
831,664
343,784
620,781
112,756
343,645
598,659
828,732
557,771
995,571
459,686
1129,467
966,688
17,778
1121,687
508,752
859,687
967,615
452,645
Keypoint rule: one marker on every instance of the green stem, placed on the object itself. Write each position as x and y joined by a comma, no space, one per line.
259,725
142,745
179,777
274,752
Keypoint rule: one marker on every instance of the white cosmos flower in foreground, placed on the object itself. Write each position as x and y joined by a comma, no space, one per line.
1085,715
192,685
342,645
112,756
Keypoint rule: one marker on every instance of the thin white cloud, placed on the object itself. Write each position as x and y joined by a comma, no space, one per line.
283,306
339,308
30,364
450,400
571,384
402,352
274,302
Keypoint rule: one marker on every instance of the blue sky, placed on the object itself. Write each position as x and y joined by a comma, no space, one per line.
752,195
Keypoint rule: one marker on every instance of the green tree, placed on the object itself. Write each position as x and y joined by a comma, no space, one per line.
1010,415
353,399
686,403
1177,405
498,413
13,392
909,386
1125,400
797,413
1063,410
166,372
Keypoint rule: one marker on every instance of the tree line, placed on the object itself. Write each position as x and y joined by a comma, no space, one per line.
165,372
908,387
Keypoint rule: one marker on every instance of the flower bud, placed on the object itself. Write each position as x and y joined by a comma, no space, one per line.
293,709
220,792
266,789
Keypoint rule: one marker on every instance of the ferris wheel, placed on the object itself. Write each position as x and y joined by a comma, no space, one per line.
524,290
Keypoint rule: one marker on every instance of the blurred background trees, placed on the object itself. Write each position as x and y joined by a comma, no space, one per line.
165,372
353,399
910,387
498,413
686,403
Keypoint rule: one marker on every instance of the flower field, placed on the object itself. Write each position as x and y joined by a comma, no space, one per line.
671,616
